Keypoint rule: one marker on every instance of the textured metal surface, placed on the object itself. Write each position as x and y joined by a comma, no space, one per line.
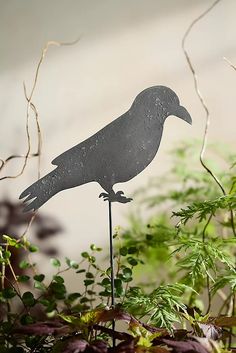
115,154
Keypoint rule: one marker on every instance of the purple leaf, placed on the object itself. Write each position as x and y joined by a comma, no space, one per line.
75,346
188,346
210,331
43,329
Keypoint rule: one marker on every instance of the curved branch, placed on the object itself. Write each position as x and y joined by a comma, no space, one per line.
202,101
31,106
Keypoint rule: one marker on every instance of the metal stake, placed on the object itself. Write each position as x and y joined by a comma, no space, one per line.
112,270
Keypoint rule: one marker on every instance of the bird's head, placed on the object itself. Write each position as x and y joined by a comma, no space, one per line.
161,101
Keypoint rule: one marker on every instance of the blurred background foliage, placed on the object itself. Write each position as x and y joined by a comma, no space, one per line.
189,232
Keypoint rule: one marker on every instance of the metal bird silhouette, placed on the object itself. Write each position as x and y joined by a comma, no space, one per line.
115,154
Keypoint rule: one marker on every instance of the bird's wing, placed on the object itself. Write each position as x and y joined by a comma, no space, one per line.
85,149
67,155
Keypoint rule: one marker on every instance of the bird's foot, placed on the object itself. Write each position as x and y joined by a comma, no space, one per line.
115,197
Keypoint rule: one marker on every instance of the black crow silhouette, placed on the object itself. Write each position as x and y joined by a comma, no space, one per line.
116,153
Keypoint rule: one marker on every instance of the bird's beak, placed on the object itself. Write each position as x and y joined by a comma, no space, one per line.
182,113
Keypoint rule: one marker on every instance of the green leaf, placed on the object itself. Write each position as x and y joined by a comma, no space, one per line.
12,241
118,283
201,210
127,272
81,271
227,279
33,248
58,279
6,327
73,320
55,262
23,278
73,296
89,275
132,261
85,254
72,263
92,259
132,250
126,276
39,278
91,292
118,287
44,302
27,319
123,251
105,282
5,256
8,293
28,299
105,293
163,304
49,304
95,248
84,300
39,285
88,282
24,264
58,289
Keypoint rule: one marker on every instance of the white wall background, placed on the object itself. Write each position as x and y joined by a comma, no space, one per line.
125,46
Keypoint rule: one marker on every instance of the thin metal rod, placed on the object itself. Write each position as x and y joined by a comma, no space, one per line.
112,269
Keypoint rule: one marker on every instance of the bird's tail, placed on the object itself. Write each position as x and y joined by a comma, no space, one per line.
41,191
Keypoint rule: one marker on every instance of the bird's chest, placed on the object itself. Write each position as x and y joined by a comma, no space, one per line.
145,143
139,147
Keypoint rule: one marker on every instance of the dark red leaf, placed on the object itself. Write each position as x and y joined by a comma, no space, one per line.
225,321
188,346
210,331
118,314
118,335
153,349
114,314
96,347
43,329
75,346
153,329
124,347
180,334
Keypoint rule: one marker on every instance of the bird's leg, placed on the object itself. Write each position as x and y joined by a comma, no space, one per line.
113,196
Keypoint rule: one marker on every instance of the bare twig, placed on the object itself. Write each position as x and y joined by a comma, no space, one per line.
202,101
3,272
39,149
230,63
31,106
205,228
209,295
15,156
204,105
231,211
27,227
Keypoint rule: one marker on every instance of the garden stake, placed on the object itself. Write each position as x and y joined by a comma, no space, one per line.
112,269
